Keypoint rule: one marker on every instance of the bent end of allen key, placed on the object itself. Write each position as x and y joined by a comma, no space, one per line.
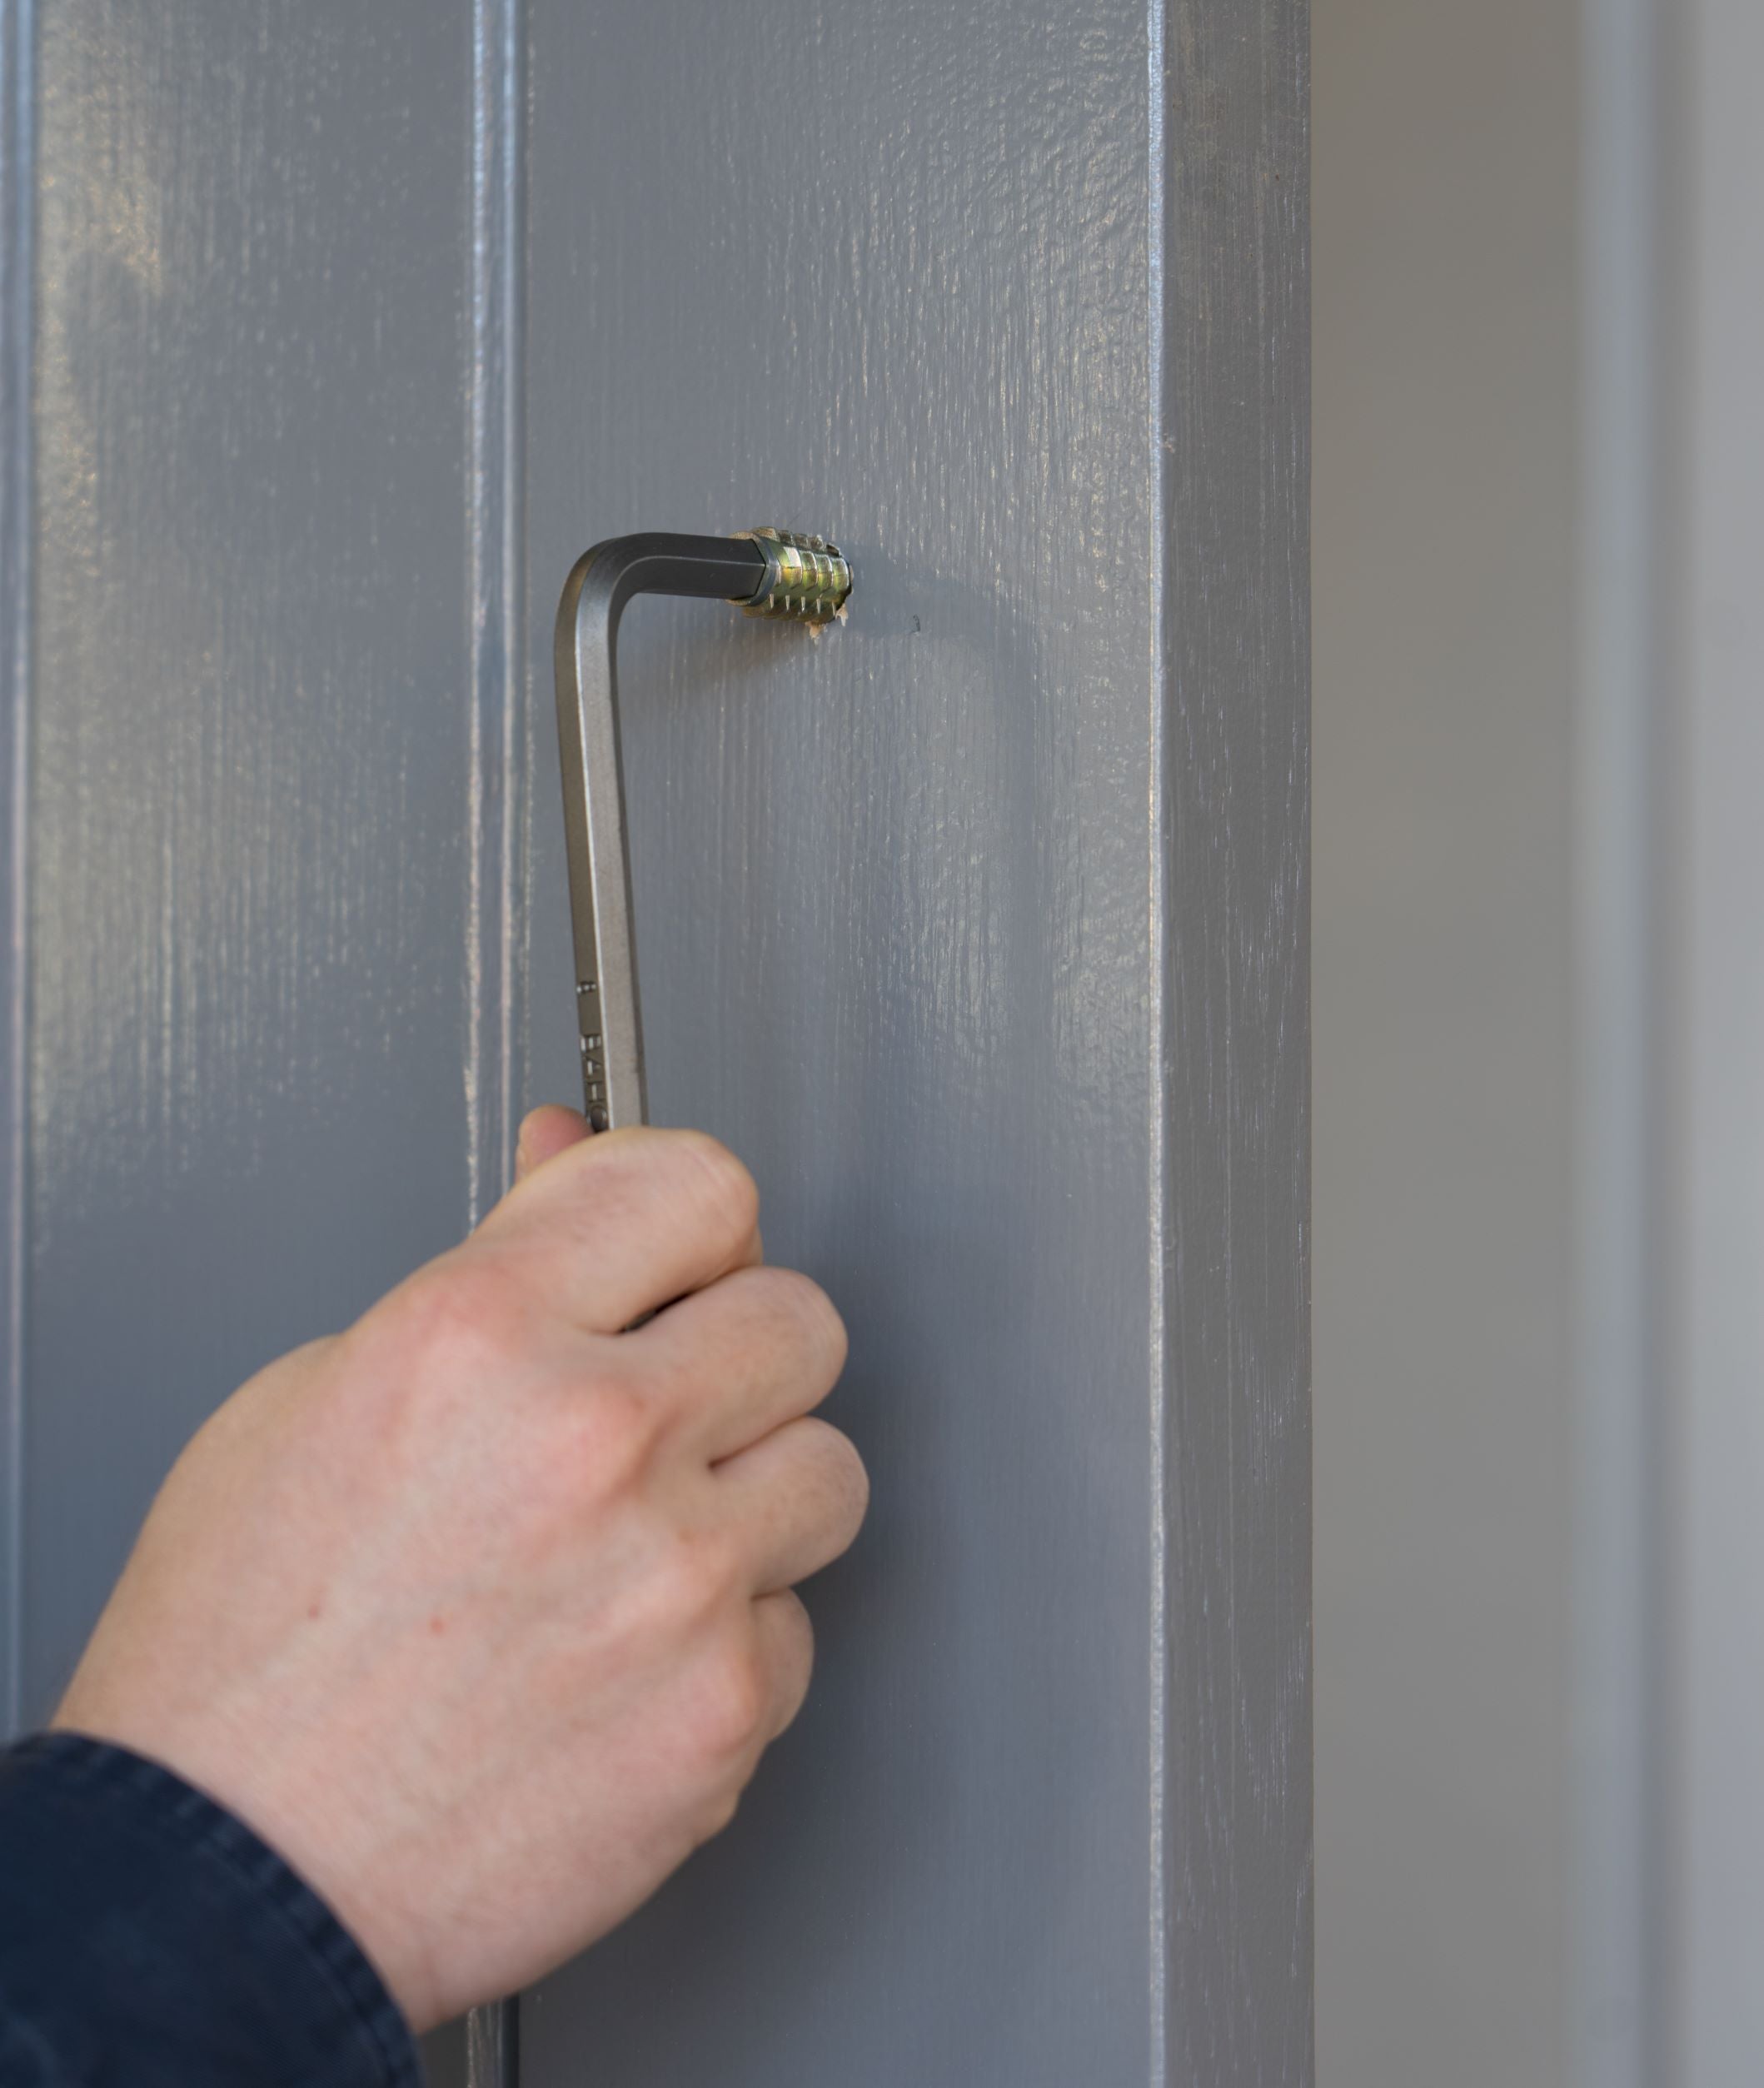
765,572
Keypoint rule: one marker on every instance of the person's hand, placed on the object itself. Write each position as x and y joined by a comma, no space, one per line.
479,1611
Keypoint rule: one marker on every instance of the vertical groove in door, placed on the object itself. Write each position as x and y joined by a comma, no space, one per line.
1158,843
495,540
495,550
17,215
493,2046
1616,2028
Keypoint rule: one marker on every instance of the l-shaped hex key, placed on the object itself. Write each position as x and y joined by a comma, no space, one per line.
766,572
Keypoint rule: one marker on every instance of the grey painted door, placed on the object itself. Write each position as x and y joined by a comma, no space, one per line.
978,924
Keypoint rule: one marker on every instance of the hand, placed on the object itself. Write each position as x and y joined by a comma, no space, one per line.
479,1613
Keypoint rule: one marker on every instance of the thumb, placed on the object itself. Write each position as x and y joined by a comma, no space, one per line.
544,1133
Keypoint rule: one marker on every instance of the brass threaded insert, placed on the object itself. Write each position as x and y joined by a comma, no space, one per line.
806,577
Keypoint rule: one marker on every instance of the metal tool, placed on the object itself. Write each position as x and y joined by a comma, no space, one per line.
767,572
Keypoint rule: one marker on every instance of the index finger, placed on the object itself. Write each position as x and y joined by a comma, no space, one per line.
626,1222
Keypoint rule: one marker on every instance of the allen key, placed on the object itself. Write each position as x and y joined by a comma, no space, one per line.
767,572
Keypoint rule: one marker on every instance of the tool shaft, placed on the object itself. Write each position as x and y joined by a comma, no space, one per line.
771,572
604,579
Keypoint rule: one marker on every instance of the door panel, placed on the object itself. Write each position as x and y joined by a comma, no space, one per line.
977,923
250,746
903,942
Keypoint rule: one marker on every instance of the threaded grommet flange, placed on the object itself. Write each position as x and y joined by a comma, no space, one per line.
806,577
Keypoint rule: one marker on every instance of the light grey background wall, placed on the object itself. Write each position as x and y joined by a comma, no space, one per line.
1446,398
1711,545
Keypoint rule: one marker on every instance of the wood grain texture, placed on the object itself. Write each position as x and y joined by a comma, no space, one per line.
250,776
979,926
977,923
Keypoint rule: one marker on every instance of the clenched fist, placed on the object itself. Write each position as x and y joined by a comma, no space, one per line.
480,1612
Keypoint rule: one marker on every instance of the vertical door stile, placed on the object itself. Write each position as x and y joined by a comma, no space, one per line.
992,960
1232,914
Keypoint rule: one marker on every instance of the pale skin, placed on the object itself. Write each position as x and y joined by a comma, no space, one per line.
482,1611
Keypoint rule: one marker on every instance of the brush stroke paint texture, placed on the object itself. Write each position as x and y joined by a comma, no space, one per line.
979,926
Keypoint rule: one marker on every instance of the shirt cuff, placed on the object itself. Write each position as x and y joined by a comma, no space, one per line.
147,1934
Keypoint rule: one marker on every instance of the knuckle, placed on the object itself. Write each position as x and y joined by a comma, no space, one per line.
797,1632
724,1192
603,1439
822,1491
717,1812
807,1316
463,1312
733,1700
697,1577
650,1178
846,1477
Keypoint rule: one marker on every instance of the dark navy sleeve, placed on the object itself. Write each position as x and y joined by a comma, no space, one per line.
147,1938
